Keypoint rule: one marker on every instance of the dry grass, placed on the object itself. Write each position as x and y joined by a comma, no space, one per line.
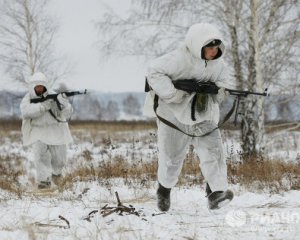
10,168
142,173
8,126
116,126
273,175
280,126
261,174
15,125
254,171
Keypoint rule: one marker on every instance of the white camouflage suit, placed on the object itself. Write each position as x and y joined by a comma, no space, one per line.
48,136
175,106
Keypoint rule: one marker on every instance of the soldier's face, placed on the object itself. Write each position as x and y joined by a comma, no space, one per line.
211,52
39,90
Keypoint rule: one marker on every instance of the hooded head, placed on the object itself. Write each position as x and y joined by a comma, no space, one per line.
203,35
36,79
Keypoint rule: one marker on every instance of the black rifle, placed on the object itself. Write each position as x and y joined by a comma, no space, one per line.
192,85
54,97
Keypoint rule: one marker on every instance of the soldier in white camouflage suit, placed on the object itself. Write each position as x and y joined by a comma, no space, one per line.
45,127
200,57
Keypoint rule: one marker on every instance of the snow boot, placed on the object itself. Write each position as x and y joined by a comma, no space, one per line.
163,198
44,185
208,190
57,179
218,199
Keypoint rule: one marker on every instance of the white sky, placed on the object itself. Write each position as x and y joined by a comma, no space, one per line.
77,39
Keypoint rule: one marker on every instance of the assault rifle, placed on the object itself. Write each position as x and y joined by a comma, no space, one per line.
54,97
211,88
193,85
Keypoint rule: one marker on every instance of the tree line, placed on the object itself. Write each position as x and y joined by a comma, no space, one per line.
96,106
262,43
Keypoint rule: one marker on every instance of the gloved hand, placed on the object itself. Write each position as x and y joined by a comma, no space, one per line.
177,98
63,100
222,95
45,106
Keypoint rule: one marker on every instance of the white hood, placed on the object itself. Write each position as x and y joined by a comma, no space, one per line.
201,34
37,79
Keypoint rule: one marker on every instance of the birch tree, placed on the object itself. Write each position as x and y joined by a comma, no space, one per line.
27,36
131,105
262,39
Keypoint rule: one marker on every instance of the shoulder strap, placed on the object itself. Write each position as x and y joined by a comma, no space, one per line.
172,125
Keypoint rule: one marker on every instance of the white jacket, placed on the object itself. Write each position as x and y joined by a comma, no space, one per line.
40,125
186,63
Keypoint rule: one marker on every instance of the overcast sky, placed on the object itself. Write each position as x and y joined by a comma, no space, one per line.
77,38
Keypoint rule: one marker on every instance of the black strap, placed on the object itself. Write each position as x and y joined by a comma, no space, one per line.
53,115
172,125
193,108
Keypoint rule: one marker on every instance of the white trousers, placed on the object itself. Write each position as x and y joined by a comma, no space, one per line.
173,146
49,159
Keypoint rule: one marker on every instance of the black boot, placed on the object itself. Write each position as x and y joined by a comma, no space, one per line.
57,179
218,199
208,190
163,198
44,185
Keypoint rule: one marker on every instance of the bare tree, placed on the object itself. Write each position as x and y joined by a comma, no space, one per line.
88,108
112,111
131,105
263,44
27,35
151,28
264,37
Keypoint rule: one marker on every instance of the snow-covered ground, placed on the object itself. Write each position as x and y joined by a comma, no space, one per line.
251,214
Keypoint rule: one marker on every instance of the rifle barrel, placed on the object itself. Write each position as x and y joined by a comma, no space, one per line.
245,93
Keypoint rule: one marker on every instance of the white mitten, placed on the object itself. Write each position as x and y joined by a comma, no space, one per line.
46,105
222,95
177,98
63,100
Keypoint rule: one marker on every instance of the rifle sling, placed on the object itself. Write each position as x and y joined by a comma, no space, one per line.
172,125
53,115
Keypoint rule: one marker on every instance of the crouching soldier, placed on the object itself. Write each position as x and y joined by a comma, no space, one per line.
45,127
190,118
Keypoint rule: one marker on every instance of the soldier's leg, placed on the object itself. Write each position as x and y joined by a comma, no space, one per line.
214,169
212,160
43,163
172,147
58,160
